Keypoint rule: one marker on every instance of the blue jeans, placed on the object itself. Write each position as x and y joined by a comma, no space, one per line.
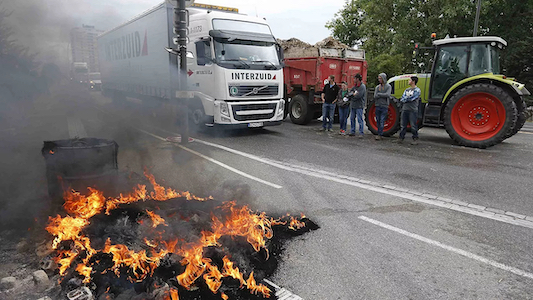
328,110
411,117
344,112
359,113
381,116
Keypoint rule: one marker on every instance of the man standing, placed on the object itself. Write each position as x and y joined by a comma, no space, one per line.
357,104
381,100
344,107
329,95
410,101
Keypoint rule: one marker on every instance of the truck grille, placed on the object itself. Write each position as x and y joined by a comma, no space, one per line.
253,90
247,112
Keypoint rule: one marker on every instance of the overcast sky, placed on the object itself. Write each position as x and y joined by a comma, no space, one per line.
302,19
44,25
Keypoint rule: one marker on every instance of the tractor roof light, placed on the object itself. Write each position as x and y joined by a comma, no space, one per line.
434,35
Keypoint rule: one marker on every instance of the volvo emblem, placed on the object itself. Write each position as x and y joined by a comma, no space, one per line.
255,91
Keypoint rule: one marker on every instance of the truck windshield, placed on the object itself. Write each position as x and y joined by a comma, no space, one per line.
247,55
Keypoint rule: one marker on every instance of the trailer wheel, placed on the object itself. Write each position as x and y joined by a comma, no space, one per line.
480,115
299,110
521,108
392,122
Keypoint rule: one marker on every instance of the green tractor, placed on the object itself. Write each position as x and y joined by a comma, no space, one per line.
464,94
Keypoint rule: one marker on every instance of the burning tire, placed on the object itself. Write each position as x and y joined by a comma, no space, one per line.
480,115
392,122
299,110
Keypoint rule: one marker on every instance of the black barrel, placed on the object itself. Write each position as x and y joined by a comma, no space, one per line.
80,163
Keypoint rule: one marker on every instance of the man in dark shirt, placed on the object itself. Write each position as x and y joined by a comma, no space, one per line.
329,97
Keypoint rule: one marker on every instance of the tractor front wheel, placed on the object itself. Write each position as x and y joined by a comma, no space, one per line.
392,122
480,115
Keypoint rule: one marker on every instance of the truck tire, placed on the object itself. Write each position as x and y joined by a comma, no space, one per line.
299,110
521,108
480,115
392,123
197,117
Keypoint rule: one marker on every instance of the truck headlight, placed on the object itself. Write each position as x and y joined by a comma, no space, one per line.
281,107
224,110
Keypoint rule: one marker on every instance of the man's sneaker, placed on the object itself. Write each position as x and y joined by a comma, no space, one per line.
322,129
329,129
377,137
398,140
361,136
342,132
352,134
414,142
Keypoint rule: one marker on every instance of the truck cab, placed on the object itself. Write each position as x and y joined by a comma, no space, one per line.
234,69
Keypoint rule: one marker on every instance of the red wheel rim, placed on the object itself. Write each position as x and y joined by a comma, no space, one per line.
389,121
478,116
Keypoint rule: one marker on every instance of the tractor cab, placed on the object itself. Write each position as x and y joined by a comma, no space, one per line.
460,58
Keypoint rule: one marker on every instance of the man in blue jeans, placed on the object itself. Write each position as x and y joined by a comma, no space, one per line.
329,95
357,97
381,102
410,101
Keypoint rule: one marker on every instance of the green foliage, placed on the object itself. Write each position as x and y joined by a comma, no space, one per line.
384,63
393,26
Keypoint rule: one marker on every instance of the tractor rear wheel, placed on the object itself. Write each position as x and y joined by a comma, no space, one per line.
521,108
480,115
392,122
299,110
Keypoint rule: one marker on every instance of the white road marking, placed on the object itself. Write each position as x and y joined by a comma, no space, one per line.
282,293
75,128
216,162
450,248
460,206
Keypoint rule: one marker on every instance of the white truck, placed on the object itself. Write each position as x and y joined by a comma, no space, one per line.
234,65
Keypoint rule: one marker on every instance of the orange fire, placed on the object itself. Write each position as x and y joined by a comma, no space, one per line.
255,228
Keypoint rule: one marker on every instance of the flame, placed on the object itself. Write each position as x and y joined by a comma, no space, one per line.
52,152
238,221
156,219
257,288
171,294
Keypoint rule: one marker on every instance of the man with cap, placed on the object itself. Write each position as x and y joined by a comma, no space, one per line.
381,102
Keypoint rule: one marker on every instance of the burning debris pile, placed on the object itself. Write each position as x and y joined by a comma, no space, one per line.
166,244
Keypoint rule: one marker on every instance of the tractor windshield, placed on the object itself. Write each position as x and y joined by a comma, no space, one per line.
456,62
484,58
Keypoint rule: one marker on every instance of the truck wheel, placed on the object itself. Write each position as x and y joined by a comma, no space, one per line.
521,108
197,117
392,122
480,115
299,110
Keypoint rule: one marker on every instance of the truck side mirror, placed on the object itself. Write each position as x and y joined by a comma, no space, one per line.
280,55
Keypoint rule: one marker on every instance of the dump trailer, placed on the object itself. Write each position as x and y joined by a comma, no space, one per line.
234,69
306,70
465,93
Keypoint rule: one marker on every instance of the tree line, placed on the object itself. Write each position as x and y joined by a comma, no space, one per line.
388,30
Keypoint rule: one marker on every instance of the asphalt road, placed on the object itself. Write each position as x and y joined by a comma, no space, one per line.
432,221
